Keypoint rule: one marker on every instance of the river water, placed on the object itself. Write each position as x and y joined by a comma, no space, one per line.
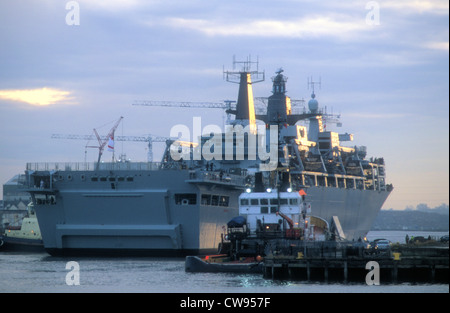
38,272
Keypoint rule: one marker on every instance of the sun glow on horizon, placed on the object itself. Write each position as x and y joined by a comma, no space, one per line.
37,97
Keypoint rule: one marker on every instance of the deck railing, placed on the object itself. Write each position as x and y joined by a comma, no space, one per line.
218,177
91,166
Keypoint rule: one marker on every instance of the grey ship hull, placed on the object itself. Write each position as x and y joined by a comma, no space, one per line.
147,217
142,217
356,209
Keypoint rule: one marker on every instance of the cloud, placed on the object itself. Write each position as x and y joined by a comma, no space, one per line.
439,7
308,27
372,116
439,45
112,5
37,97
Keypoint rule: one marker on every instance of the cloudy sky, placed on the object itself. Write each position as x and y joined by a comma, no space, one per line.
70,66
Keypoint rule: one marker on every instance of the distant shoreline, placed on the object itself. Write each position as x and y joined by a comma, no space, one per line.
411,220
411,230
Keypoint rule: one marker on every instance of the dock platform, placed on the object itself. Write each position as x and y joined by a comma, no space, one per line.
343,263
397,265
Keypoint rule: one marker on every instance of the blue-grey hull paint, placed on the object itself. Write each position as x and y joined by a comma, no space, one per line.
141,216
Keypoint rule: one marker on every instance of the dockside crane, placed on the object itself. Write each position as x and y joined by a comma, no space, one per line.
226,105
150,139
103,141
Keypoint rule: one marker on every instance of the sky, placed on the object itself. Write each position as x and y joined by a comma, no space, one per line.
67,67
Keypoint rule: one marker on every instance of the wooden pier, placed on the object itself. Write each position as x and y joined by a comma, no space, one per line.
397,265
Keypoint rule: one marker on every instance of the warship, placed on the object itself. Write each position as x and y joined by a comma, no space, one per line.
181,205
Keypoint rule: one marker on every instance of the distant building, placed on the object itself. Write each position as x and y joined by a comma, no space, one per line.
15,201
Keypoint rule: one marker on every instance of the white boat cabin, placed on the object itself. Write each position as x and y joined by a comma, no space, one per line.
264,208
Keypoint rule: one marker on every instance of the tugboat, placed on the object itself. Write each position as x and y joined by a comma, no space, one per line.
26,237
265,217
274,214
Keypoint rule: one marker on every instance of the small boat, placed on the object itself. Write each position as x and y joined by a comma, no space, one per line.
222,263
264,217
275,214
26,237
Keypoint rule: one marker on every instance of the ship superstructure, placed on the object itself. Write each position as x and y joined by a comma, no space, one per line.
181,204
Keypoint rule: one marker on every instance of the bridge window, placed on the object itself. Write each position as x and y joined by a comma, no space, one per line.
244,202
206,199
185,198
215,200
224,200
45,199
219,200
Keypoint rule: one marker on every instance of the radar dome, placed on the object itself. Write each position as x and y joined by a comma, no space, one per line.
313,104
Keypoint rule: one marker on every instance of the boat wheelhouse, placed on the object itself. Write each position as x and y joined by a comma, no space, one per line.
280,214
